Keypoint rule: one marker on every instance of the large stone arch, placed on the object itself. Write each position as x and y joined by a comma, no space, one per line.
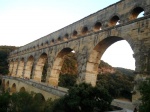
39,67
57,65
28,67
20,68
94,57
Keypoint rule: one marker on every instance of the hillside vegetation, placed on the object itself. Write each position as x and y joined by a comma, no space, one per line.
4,52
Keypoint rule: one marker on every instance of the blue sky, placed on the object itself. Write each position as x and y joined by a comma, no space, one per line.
23,21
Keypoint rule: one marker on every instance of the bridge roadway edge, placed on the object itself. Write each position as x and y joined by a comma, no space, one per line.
32,86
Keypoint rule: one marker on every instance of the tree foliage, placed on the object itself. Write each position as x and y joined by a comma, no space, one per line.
67,80
84,98
80,98
4,52
22,102
70,64
116,84
144,89
4,102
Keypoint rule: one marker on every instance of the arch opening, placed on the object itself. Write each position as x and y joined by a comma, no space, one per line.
97,26
68,73
100,73
121,54
59,39
52,42
119,68
84,30
61,66
66,37
114,21
22,89
74,34
20,68
13,88
29,68
46,43
39,97
137,12
95,58
40,70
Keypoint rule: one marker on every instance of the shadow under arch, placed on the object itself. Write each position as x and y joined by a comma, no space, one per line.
39,97
95,57
13,88
135,12
57,65
22,89
114,20
39,67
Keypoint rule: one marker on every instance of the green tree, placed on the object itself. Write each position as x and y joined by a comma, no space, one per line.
21,102
25,102
4,52
83,98
4,102
144,89
118,85
67,80
48,106
38,103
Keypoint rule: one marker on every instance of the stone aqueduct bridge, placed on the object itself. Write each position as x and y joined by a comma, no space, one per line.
89,38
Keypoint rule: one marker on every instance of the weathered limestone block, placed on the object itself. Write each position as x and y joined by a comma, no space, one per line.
90,78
